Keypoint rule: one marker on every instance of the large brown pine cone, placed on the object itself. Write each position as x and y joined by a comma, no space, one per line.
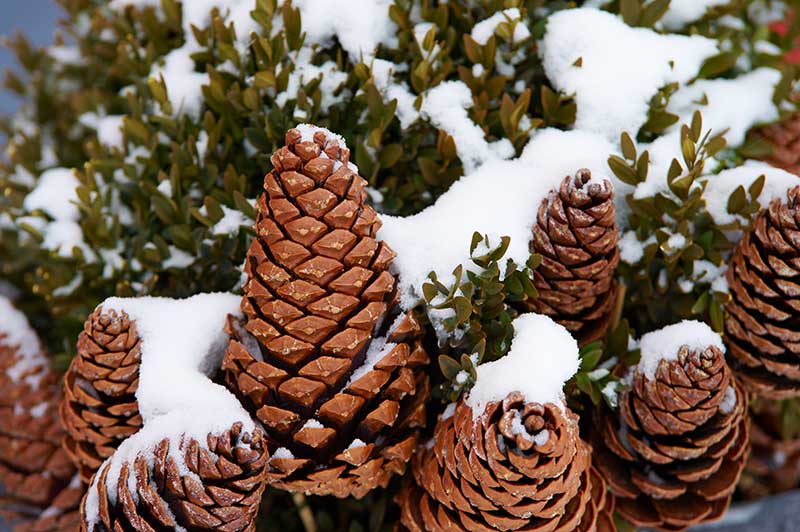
319,296
673,453
762,336
517,466
774,463
577,237
212,486
783,142
99,410
35,473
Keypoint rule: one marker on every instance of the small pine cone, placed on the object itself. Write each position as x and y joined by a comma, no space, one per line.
517,466
783,140
213,486
99,409
316,371
673,454
577,237
35,472
774,463
765,302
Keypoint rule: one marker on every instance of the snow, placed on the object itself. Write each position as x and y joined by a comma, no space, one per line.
501,198
231,221
312,424
329,74
484,29
307,132
359,25
383,76
683,12
445,105
55,194
719,187
751,96
622,67
729,401
631,250
281,452
355,444
178,259
377,349
543,356
16,332
448,412
182,342
665,343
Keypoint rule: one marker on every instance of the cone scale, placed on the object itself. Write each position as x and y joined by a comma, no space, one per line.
517,466
323,359
673,453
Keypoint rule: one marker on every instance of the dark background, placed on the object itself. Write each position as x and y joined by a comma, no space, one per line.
37,19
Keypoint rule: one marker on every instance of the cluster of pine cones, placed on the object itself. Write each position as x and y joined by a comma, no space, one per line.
337,377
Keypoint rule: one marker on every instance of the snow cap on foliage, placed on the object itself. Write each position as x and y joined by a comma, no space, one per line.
359,26
445,105
543,356
501,198
665,343
683,12
719,187
484,29
733,105
621,67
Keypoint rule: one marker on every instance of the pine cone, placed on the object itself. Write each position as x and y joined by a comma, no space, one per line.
319,295
783,140
577,237
213,486
517,466
99,410
774,463
36,474
765,302
674,453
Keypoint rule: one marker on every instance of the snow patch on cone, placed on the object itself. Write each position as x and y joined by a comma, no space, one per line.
665,343
543,356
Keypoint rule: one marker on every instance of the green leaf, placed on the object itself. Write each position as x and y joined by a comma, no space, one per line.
450,368
630,11
628,147
653,12
622,170
718,64
737,201
757,186
463,308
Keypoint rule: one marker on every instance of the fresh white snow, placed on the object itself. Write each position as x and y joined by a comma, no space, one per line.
622,67
501,198
16,332
665,343
543,356
683,12
484,29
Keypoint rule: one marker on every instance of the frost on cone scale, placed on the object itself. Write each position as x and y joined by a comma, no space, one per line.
36,474
340,402
517,466
783,141
216,486
577,237
774,463
762,335
99,409
673,453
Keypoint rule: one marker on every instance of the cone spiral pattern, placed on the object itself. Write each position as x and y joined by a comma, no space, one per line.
761,328
99,409
577,237
774,463
36,474
783,141
517,466
212,486
340,402
673,453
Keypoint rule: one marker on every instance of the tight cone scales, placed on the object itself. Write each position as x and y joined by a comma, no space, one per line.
35,472
577,237
99,409
761,327
673,453
216,486
517,466
332,372
783,143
